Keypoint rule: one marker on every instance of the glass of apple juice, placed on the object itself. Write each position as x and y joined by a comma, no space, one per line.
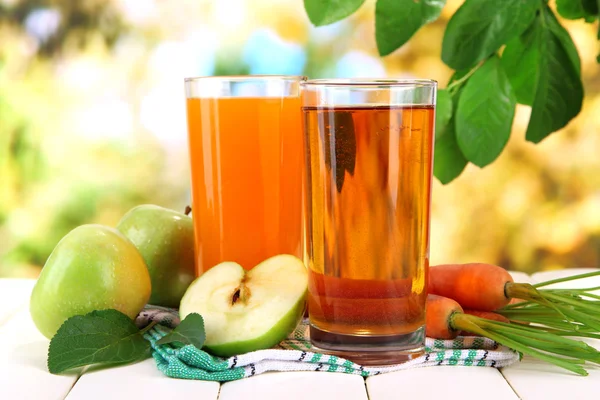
369,170
246,154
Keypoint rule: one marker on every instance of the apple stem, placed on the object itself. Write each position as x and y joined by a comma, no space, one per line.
188,210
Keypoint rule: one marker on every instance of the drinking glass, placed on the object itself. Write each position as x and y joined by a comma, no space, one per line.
369,170
246,153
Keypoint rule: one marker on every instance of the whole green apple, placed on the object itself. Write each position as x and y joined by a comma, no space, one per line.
245,311
93,267
165,239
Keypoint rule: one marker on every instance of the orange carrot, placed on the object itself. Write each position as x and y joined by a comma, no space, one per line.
474,286
445,319
439,315
487,287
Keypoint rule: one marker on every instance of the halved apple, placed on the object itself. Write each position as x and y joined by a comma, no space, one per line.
244,310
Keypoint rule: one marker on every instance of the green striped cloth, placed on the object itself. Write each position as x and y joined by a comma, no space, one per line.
294,354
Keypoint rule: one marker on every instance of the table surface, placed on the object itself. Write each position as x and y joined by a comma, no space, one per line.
23,372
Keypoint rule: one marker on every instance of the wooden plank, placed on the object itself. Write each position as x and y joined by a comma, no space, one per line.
296,386
14,295
444,382
141,380
23,371
533,379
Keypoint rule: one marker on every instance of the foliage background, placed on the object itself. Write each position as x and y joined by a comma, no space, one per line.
92,122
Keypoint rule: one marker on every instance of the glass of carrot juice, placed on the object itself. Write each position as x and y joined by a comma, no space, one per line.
369,171
246,154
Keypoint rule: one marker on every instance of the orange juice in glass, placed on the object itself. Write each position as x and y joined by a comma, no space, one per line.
246,153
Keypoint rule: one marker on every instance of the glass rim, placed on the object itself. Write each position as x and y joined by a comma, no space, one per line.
246,78
369,82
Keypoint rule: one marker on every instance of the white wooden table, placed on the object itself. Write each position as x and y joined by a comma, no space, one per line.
23,373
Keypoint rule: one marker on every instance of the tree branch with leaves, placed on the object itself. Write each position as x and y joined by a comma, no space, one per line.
504,53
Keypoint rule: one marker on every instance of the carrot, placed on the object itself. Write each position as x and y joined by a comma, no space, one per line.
439,314
445,318
488,287
475,286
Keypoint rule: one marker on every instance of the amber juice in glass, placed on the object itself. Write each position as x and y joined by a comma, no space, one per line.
246,156
369,170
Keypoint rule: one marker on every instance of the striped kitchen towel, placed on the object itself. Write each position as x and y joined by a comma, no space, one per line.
294,354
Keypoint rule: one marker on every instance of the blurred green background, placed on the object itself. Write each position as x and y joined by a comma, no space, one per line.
92,122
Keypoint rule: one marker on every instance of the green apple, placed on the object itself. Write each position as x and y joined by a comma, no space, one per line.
165,239
93,267
248,310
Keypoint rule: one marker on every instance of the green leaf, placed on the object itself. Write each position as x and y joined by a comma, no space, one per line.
443,111
449,161
575,9
325,12
484,113
480,27
396,21
558,88
189,331
565,39
598,35
520,58
100,337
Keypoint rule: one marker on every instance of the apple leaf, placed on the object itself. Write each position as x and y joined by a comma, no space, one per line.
484,113
598,35
100,337
479,28
443,111
189,331
449,161
397,20
575,9
325,12
544,69
559,90
519,61
522,54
